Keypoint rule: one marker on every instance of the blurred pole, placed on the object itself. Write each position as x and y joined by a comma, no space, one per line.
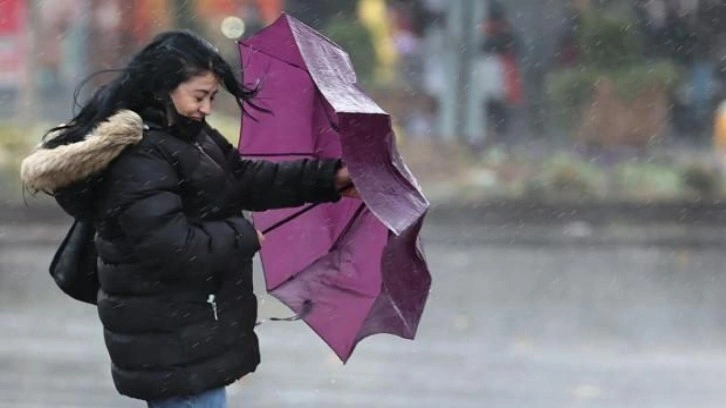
27,101
452,56
461,113
185,15
463,74
475,122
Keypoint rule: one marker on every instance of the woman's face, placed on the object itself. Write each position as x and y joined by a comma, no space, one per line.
193,98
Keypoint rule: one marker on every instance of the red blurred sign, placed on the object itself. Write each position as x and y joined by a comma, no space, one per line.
268,10
12,42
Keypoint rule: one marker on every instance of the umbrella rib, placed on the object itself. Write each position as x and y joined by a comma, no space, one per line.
308,208
275,57
289,218
348,226
398,311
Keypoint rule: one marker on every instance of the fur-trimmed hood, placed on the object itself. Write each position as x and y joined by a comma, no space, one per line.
51,169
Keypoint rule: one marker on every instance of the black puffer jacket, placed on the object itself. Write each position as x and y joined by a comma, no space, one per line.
175,267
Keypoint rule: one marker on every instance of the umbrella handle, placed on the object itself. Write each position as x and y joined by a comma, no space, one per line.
307,307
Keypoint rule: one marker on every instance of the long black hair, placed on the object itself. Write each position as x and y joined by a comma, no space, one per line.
168,60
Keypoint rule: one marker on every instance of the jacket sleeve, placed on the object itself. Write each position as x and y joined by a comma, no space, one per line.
263,185
145,187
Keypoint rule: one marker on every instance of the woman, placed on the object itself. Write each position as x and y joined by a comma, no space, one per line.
166,194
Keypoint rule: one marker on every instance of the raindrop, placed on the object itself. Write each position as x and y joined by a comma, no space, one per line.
587,391
462,323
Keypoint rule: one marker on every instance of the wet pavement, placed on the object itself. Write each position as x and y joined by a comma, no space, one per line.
552,315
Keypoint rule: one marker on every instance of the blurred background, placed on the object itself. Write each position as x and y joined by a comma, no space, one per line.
586,98
574,152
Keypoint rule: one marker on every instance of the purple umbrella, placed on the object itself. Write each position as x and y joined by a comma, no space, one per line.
348,269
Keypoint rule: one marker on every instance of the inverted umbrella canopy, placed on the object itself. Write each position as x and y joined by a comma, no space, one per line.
352,268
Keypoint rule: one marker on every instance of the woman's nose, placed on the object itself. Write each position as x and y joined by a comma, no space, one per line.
206,107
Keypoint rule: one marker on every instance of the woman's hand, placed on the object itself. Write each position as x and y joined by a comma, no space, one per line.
344,184
260,237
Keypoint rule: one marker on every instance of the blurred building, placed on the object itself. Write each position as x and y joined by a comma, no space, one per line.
13,43
48,46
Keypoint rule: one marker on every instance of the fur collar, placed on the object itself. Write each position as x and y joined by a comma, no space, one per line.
48,170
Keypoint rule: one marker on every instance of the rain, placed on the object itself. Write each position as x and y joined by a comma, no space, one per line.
573,153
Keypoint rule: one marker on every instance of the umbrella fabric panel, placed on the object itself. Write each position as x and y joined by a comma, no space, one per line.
406,285
368,147
278,40
289,125
289,251
342,286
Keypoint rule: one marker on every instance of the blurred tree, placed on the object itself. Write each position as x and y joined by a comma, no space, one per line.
338,20
608,41
320,13
614,96
373,14
355,39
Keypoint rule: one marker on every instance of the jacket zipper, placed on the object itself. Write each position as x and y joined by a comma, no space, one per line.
212,302
201,149
211,299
